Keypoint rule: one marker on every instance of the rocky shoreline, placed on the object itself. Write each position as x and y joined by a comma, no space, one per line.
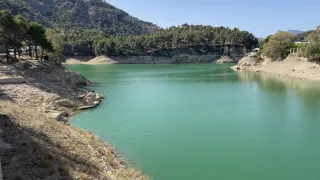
62,91
36,99
293,66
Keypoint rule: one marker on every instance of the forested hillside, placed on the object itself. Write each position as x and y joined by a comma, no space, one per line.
69,15
194,39
94,27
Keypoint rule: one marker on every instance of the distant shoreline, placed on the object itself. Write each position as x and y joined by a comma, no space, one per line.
178,59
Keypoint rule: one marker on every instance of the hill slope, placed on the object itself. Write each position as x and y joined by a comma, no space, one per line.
296,32
85,14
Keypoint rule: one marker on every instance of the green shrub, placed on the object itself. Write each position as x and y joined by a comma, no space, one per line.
278,45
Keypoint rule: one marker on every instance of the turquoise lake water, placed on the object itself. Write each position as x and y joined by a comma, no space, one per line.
206,121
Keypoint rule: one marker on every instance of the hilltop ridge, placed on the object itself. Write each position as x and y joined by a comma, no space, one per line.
81,14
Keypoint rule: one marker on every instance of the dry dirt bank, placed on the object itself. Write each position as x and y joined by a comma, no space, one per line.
36,141
292,66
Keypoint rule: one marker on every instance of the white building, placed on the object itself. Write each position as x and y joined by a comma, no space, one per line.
300,42
256,50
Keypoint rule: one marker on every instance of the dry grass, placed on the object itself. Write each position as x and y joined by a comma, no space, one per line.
47,149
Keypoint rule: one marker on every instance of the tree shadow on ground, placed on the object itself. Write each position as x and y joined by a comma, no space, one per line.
34,156
5,96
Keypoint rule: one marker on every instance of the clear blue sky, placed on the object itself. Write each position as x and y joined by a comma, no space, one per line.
261,17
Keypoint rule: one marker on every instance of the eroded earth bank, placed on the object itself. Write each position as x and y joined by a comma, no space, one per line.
293,66
36,140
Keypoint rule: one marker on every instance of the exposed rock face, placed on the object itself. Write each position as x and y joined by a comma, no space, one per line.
42,71
59,116
50,88
292,66
248,62
45,148
66,103
172,56
178,59
227,59
91,100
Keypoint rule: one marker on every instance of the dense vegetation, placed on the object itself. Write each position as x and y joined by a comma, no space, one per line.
192,38
66,15
303,36
277,46
94,27
17,32
80,42
312,49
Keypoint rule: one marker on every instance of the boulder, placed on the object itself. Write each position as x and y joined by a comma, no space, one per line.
91,98
59,115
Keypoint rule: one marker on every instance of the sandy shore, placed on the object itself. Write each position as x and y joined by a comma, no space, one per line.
293,66
90,60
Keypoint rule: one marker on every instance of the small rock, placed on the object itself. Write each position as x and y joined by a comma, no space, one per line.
89,98
59,116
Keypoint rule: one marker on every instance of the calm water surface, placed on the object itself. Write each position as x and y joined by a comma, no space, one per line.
205,122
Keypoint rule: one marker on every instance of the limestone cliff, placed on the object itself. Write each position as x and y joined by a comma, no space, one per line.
224,53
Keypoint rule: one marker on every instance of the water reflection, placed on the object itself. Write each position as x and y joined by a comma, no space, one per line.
308,91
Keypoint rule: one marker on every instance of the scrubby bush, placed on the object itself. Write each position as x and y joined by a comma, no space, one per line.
312,49
278,45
